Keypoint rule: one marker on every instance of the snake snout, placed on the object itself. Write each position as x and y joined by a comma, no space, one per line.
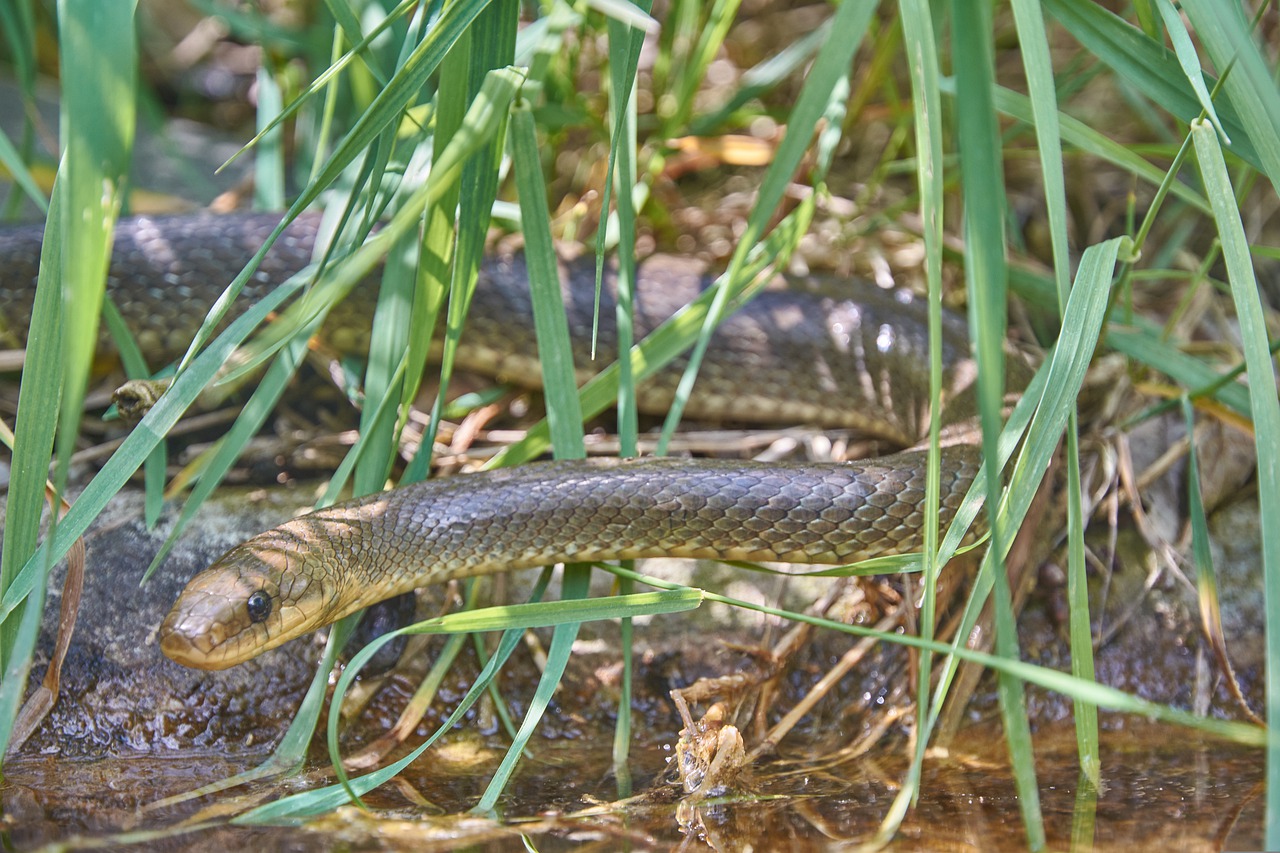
195,630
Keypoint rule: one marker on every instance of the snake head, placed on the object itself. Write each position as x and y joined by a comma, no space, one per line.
255,597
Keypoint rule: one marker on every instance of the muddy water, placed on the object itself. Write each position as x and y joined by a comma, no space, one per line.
1165,789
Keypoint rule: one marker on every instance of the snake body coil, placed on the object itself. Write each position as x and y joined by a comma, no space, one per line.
842,360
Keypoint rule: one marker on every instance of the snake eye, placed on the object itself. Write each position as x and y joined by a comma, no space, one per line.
259,606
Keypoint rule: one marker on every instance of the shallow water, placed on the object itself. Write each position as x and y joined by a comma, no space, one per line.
1165,788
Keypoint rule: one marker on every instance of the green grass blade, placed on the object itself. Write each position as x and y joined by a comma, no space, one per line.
446,257
1101,695
140,442
39,397
1250,89
981,170
1147,64
922,61
1266,421
831,65
437,254
555,352
625,44
1189,59
1044,105
513,619
268,164
564,415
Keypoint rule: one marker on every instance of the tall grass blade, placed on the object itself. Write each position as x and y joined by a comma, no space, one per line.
624,53
1050,679
1266,421
1250,87
1044,106
555,350
982,176
98,70
1148,65
849,26
513,619
926,102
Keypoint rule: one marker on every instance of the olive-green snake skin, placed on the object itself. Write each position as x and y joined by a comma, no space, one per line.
850,358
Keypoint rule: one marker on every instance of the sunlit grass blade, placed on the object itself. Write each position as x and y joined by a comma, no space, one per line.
981,170
436,254
1266,420
1147,64
452,252
1250,87
1101,695
1189,59
922,62
512,619
832,64
622,180
554,348
268,164
1044,104
140,442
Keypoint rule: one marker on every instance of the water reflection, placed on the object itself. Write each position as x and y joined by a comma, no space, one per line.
1164,788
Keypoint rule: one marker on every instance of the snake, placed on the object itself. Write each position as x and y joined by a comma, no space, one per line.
843,354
